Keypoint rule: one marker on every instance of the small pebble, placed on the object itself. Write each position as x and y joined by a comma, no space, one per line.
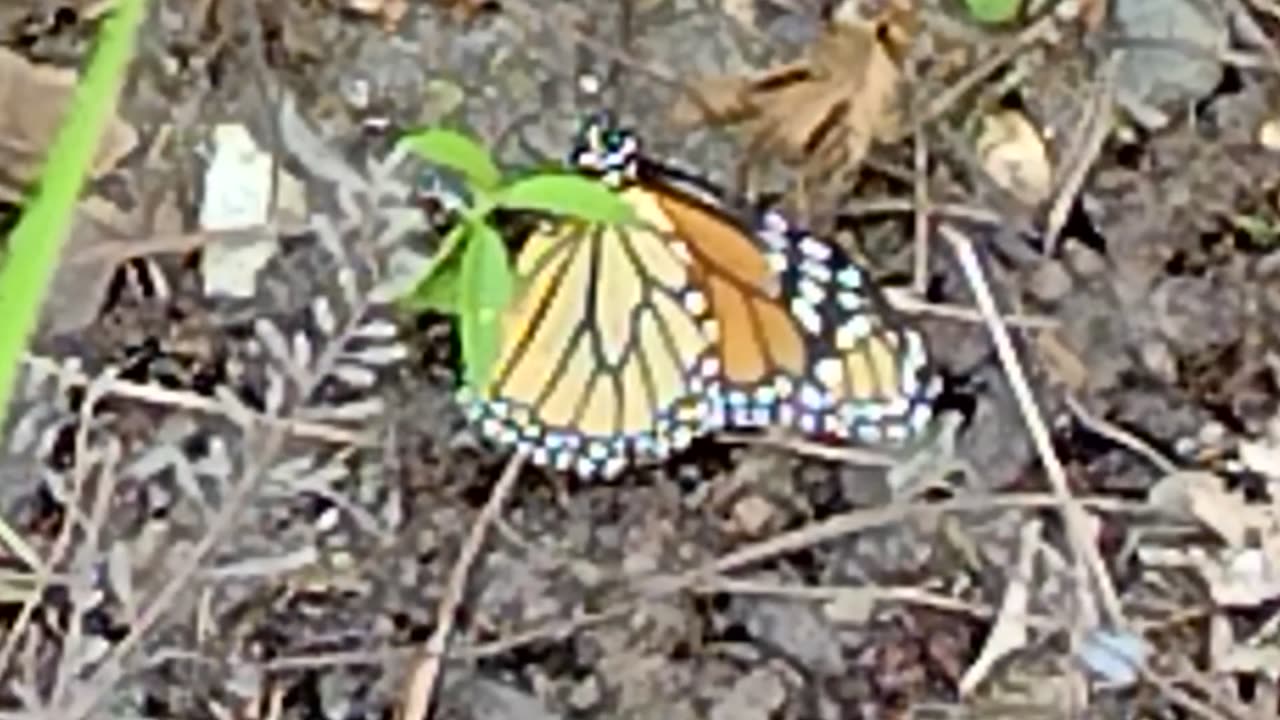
1269,134
586,695
752,515
1050,281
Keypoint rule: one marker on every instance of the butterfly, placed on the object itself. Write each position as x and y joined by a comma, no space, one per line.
626,342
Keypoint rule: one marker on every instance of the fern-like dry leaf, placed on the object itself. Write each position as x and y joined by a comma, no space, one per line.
824,111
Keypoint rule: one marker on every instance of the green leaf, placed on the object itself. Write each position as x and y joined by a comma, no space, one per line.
567,194
458,152
993,11
438,289
36,243
486,285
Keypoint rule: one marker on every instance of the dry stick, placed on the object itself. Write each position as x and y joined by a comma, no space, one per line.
1250,26
156,395
274,432
94,392
910,305
660,585
907,595
944,101
1088,560
838,526
890,206
1269,7
92,531
923,212
1182,697
847,455
1092,133
1119,436
424,678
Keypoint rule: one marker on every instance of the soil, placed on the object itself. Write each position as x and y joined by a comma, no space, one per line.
257,506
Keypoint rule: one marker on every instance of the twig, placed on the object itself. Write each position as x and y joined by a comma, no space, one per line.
1250,28
875,593
1090,135
954,92
1088,560
909,304
923,213
156,395
112,667
658,585
847,455
1181,697
1120,436
420,689
838,526
891,206
44,572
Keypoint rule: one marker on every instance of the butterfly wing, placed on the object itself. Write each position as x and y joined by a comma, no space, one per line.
603,351
804,337
869,377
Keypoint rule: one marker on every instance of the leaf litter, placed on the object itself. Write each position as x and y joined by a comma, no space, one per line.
807,586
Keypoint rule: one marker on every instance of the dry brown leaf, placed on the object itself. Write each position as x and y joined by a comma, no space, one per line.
823,111
1063,363
95,246
744,11
1014,156
32,101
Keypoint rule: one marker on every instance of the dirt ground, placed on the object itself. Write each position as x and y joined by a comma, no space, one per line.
241,488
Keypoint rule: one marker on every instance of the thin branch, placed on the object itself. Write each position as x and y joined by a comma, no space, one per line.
156,395
420,689
1088,560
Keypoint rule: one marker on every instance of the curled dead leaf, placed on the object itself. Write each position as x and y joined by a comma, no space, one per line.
33,98
825,110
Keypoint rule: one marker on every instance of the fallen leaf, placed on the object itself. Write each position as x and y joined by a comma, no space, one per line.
33,98
825,110
1014,156
99,240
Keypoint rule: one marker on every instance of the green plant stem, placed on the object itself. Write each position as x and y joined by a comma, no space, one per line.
36,243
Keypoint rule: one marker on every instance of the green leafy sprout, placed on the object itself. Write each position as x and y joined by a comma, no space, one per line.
34,246
993,11
470,276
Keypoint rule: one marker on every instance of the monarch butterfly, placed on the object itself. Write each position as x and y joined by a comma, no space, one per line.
625,343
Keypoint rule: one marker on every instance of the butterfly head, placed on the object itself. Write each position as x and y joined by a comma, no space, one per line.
605,149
